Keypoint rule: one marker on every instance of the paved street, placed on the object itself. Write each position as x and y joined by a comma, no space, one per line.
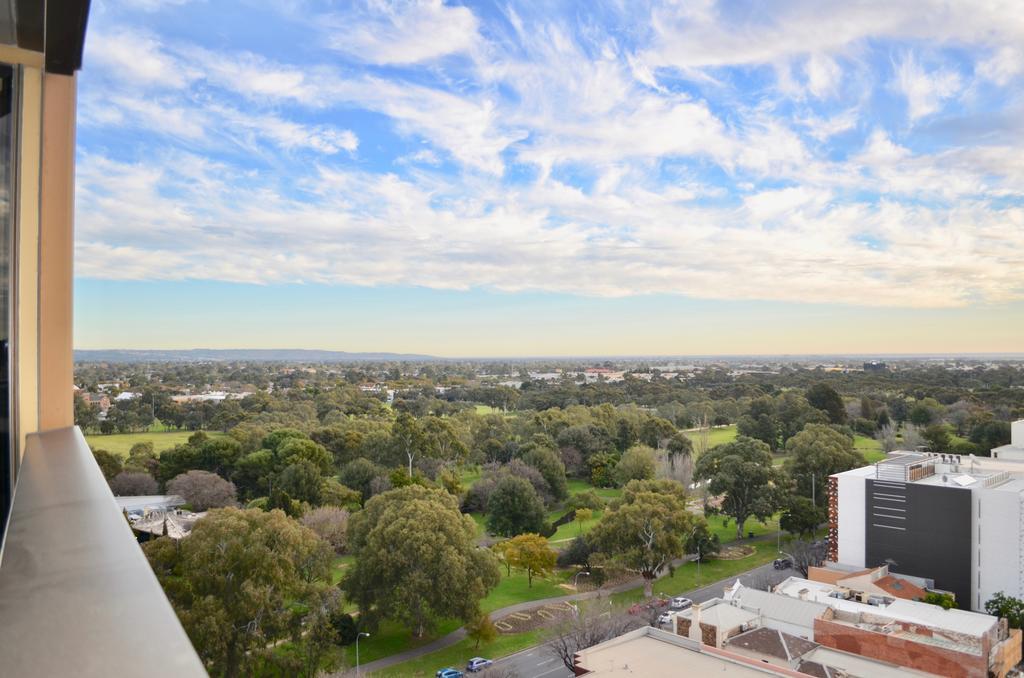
539,662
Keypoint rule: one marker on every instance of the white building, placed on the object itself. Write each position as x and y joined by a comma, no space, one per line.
956,520
1015,450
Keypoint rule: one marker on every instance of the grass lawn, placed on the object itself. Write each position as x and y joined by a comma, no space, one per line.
457,655
576,486
487,409
685,577
515,589
121,443
338,567
727,533
869,447
481,523
571,530
391,638
716,436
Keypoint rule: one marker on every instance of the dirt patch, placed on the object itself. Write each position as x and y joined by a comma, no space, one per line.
735,552
534,618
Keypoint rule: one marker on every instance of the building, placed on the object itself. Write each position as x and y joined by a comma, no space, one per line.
77,596
909,633
652,652
869,582
1015,450
957,521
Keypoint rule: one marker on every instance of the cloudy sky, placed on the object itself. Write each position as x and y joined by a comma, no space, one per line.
544,178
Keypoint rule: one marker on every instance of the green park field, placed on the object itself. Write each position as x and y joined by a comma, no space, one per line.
121,443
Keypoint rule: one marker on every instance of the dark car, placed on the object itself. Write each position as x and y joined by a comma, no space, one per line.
782,563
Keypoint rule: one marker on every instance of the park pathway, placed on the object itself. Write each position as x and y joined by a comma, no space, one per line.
460,633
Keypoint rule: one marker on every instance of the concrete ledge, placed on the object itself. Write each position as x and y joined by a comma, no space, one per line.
77,596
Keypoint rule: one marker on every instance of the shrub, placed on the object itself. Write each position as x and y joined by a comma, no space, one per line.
585,500
110,464
132,484
203,490
330,523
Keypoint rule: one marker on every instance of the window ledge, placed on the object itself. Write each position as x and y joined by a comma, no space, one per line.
77,596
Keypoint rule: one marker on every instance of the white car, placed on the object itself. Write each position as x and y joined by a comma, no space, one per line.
665,618
681,603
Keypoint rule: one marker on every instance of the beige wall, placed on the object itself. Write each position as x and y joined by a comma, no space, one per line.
56,252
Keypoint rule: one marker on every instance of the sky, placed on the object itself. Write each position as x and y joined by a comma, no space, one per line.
555,178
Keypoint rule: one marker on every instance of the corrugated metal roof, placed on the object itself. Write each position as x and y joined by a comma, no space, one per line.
782,608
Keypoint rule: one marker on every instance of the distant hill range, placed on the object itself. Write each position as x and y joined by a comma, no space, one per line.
291,355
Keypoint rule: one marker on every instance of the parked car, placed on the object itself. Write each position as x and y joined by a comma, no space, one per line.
664,618
681,603
782,563
450,673
478,664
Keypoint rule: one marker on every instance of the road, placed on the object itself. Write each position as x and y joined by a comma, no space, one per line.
539,662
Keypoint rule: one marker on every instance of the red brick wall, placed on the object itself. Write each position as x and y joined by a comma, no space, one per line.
683,626
833,519
900,651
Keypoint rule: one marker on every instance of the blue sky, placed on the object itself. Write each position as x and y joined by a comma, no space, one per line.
552,178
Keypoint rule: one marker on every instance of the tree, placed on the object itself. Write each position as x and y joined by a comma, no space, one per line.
514,508
133,484
416,559
203,490
333,493
110,464
586,629
576,553
359,474
330,524
303,481
636,464
938,438
702,541
295,450
944,600
235,579
588,499
816,453
531,553
645,530
825,398
1009,608
805,555
408,437
602,467
481,630
801,517
142,458
581,516
551,468
742,471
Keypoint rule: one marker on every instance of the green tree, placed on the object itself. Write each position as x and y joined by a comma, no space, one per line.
551,468
581,516
295,450
801,517
302,481
234,580
742,471
637,463
816,453
938,438
825,398
530,552
645,531
110,464
359,474
702,541
514,508
602,468
416,559
408,438
944,600
1009,608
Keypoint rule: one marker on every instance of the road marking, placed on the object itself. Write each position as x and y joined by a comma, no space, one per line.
555,659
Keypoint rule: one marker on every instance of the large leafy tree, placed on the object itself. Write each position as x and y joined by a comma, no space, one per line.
742,472
645,530
235,579
636,464
416,560
816,453
546,460
514,507
827,399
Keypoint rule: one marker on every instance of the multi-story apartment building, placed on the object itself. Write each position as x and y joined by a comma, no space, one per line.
958,521
77,597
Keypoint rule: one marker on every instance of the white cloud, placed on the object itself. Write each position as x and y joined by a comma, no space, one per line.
924,90
403,31
1003,66
823,75
137,58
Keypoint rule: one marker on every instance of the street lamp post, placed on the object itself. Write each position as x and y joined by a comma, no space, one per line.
359,635
576,579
